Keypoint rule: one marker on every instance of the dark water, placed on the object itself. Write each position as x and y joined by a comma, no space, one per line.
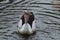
47,15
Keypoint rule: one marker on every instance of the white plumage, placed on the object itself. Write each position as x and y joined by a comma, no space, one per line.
26,28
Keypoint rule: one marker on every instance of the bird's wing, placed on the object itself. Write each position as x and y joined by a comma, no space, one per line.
20,23
34,25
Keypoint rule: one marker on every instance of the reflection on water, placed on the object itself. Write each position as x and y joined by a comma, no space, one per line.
47,13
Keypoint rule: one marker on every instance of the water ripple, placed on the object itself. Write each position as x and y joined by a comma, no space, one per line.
47,15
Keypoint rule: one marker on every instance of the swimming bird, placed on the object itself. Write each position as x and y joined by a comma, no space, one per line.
27,24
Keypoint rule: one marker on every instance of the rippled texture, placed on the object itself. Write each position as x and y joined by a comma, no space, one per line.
47,15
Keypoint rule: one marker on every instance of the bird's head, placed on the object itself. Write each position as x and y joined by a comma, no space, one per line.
27,15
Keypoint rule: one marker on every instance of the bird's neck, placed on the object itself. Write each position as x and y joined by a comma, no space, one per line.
26,20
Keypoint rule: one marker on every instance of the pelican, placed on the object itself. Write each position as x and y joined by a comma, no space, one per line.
27,24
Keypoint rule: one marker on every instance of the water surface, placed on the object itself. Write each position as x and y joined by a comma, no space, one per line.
47,15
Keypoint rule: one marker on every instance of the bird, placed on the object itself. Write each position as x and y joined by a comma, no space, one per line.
27,23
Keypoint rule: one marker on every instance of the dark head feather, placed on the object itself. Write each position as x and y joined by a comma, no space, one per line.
31,19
